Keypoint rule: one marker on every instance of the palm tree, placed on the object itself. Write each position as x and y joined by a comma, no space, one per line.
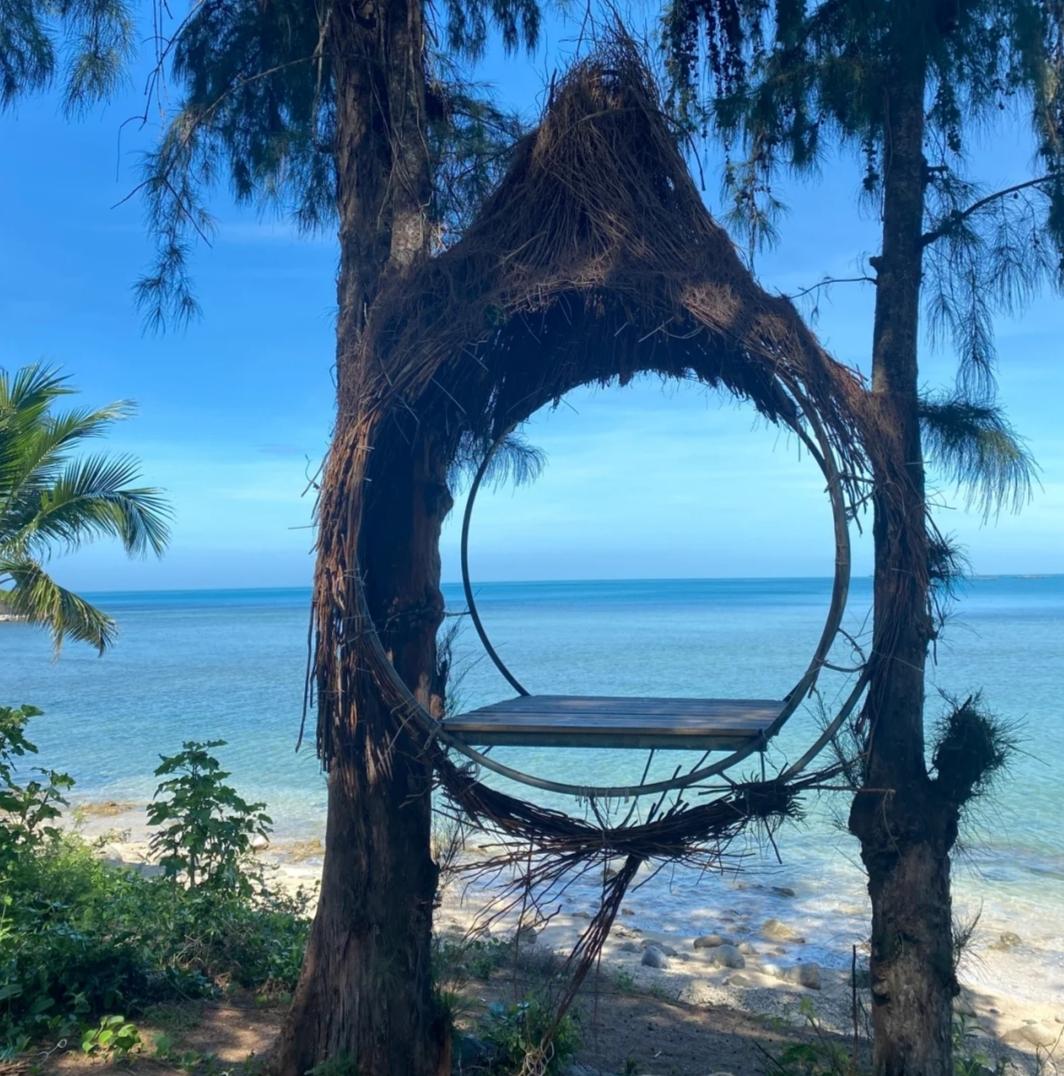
49,502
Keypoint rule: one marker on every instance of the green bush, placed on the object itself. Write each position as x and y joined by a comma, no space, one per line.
204,828
81,940
514,1030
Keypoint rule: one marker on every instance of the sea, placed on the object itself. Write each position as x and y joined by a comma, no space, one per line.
229,665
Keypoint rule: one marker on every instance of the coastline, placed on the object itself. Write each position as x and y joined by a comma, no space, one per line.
742,955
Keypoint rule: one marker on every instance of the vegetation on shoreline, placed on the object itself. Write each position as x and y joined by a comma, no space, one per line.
82,940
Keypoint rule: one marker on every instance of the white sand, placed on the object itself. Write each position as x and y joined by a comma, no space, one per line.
771,948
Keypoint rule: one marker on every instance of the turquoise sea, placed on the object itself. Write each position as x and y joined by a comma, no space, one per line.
230,665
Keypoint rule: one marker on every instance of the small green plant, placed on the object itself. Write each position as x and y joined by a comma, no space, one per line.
515,1030
27,810
624,981
204,828
113,1034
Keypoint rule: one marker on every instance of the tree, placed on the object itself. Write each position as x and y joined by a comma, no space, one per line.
85,44
50,501
342,112
904,81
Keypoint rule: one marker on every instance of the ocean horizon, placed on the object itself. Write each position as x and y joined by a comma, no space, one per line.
230,664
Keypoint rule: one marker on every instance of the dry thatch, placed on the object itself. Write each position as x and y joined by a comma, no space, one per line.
595,260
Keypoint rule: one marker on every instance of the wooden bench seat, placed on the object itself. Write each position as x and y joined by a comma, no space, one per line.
606,721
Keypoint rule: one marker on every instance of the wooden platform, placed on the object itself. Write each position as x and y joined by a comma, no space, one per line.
604,721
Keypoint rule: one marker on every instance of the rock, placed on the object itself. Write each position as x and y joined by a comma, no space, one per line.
1007,940
1032,1035
1059,1018
777,931
627,911
746,949
713,941
738,979
653,957
727,956
783,891
807,975
581,915
629,947
526,936
666,949
259,842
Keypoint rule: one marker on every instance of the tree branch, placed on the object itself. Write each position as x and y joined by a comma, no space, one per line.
828,281
960,215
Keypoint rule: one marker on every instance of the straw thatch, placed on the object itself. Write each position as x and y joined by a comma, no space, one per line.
595,260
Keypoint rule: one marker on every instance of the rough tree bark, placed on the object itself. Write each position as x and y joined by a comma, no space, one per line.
364,998
906,831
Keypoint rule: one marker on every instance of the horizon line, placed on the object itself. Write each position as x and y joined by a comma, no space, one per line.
572,581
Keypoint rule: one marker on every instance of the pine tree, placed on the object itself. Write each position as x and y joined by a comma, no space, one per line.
905,82
339,114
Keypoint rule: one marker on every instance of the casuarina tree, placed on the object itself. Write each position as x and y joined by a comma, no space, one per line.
349,115
906,83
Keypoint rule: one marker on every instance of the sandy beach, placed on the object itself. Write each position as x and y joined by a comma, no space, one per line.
735,961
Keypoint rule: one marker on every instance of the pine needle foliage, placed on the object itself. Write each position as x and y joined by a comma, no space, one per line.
975,447
82,44
257,111
786,81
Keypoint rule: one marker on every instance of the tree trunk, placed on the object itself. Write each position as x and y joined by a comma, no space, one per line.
364,1000
906,832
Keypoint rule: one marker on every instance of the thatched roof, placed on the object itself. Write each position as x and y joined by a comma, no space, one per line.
594,259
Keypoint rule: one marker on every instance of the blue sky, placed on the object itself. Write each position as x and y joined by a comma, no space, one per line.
234,412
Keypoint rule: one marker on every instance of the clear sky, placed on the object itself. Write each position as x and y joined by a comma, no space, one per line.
234,412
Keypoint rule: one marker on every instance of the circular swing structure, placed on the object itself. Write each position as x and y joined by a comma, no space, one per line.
593,262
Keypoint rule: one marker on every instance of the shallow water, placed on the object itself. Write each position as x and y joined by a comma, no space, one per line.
229,665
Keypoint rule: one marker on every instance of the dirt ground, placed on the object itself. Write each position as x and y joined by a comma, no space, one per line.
621,1032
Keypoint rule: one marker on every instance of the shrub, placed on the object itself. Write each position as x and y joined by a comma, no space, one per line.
81,940
205,828
514,1030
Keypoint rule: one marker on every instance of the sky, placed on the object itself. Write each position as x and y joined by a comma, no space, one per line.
234,412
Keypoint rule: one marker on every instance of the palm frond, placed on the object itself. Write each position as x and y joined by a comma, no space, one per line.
975,447
93,497
35,595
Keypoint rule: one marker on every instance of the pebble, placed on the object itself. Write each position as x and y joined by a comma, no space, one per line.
653,957
808,975
727,956
783,891
777,931
666,949
713,941
1007,940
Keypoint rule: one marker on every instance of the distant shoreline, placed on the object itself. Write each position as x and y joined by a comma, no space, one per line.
981,577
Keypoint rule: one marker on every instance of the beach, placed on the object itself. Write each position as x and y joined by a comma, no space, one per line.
756,951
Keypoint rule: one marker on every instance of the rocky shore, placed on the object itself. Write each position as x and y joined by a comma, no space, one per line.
734,959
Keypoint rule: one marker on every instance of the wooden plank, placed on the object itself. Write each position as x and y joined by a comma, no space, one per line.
604,721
